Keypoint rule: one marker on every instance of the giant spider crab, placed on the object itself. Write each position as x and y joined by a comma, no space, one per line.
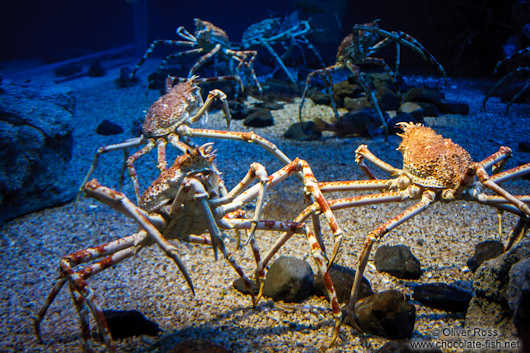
521,61
434,169
184,202
169,118
209,41
289,31
357,49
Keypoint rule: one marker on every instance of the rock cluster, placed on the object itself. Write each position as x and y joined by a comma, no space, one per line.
36,128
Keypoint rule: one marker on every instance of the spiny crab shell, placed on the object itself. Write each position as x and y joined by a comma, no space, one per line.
196,160
431,160
171,109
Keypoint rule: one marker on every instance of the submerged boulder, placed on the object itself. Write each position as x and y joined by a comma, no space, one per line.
35,147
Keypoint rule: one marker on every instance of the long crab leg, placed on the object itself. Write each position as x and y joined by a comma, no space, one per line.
151,143
334,205
250,137
326,77
360,78
485,180
121,203
152,47
165,62
427,199
195,239
203,59
316,252
518,232
511,173
114,252
497,160
118,146
404,39
362,152
245,57
278,59
256,171
504,79
311,188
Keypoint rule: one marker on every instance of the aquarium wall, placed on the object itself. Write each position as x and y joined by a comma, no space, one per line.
468,37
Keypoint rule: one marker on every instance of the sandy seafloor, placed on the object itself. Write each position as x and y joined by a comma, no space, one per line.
442,238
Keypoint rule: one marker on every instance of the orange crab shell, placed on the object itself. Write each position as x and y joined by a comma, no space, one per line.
162,190
431,160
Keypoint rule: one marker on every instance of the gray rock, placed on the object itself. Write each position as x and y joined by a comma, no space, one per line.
107,127
302,131
289,279
423,94
387,99
321,98
342,278
518,295
36,128
429,109
484,251
356,104
129,323
260,118
443,296
414,109
387,314
354,123
238,111
345,89
381,80
447,106
239,284
494,300
400,118
397,261
524,146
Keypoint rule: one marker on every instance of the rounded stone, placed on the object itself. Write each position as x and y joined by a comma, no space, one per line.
289,279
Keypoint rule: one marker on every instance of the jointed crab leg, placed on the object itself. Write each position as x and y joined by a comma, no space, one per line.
311,189
505,78
403,39
134,142
121,203
114,252
427,199
249,137
316,252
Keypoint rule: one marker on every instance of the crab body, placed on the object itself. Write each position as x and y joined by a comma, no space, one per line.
208,35
285,32
430,160
434,169
209,41
173,108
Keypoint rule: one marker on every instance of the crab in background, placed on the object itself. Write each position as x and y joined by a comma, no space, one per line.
358,48
289,32
184,202
208,41
521,61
